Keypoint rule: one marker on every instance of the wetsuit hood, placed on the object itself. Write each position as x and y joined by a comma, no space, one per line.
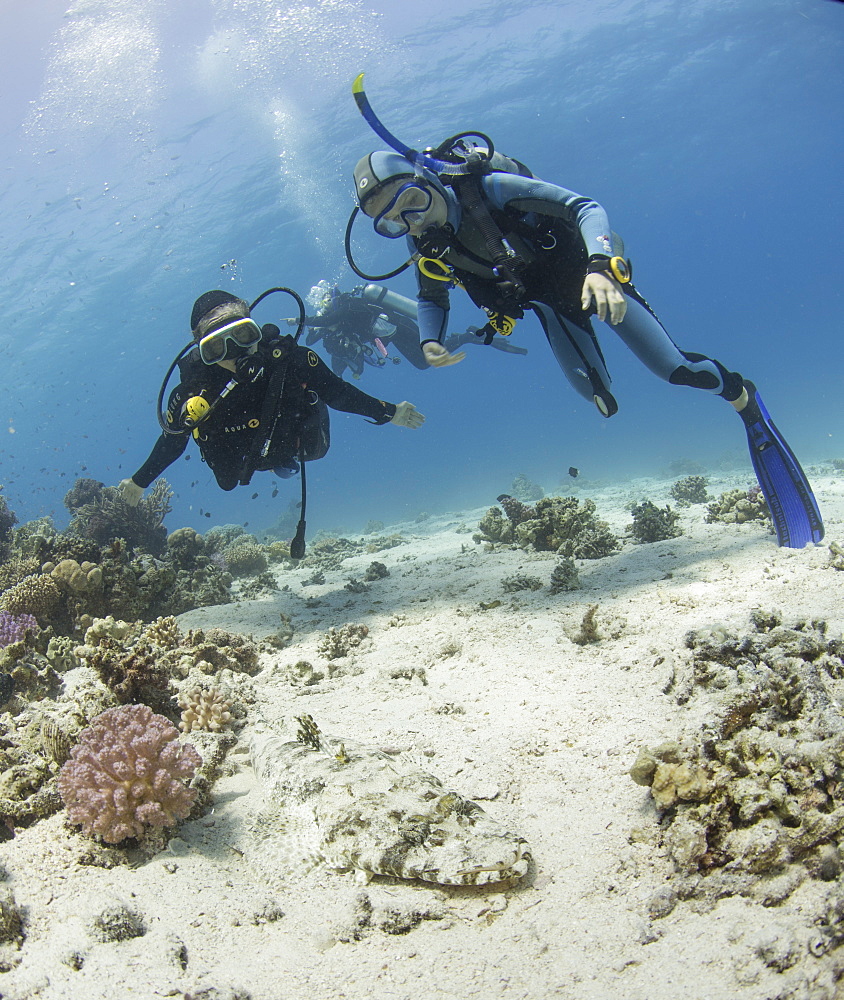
209,301
383,166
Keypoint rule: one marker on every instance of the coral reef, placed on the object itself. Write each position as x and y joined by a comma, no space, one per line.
652,523
101,513
127,774
758,792
259,586
690,490
339,642
739,507
524,489
553,524
564,576
28,768
66,581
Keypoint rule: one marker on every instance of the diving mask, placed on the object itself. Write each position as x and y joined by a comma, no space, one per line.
239,335
405,210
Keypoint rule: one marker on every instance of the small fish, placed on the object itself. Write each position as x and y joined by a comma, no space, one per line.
574,473
274,493
207,513
254,496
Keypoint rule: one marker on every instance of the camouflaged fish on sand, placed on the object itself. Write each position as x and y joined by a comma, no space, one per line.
355,808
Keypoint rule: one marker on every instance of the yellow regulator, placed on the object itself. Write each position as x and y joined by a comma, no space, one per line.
196,408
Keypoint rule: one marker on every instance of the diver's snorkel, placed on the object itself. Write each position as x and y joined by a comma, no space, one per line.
472,161
198,409
432,163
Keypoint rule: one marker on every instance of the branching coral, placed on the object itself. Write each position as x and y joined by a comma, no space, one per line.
573,529
654,524
339,642
836,556
690,490
134,671
207,709
127,775
107,515
739,507
224,650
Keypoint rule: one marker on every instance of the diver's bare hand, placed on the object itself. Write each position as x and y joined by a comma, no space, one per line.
607,296
438,356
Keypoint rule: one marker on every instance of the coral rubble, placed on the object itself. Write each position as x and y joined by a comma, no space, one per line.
739,507
759,791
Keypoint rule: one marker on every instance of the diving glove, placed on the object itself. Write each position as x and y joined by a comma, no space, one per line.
130,491
407,415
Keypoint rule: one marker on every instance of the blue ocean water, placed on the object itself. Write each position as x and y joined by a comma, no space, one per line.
153,151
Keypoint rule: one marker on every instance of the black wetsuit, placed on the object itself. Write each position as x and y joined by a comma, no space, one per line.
348,330
227,438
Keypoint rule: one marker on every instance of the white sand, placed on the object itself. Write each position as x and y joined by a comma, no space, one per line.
546,736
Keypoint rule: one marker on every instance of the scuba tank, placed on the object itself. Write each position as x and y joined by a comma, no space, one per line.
378,295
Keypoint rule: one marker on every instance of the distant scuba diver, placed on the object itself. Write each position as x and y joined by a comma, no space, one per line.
358,327
481,221
253,401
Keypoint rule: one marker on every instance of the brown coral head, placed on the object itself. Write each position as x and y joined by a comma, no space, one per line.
127,774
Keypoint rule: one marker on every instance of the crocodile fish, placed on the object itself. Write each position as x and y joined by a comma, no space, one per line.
353,807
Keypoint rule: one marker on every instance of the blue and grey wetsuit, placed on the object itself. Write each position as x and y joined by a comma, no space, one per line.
557,231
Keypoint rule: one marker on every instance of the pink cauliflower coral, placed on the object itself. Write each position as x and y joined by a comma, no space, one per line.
126,774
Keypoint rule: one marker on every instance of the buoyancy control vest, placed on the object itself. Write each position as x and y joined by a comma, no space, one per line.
500,258
294,420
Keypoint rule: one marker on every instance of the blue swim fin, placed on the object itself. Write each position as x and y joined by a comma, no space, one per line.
793,507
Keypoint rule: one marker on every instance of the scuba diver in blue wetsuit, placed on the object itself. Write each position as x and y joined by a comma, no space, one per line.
478,220
358,328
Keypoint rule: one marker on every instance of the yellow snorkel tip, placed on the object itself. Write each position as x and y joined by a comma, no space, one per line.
357,86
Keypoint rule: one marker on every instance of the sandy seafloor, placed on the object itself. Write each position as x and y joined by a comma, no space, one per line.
545,739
